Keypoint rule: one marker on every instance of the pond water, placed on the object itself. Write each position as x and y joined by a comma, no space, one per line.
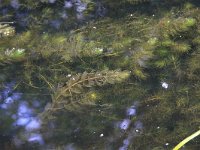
99,75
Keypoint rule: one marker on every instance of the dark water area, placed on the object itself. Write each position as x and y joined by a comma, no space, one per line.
99,75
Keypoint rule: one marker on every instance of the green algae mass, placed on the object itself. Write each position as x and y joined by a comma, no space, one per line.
88,63
189,22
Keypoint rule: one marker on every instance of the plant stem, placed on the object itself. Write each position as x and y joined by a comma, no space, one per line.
182,143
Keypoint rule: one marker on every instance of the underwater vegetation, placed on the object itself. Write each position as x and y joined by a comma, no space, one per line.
100,74
6,30
67,98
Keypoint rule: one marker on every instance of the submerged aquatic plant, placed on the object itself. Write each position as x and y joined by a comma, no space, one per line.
66,96
9,56
76,83
6,30
160,47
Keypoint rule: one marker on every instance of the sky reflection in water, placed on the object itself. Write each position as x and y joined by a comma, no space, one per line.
126,125
24,116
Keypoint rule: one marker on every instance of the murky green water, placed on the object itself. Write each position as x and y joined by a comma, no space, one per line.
99,75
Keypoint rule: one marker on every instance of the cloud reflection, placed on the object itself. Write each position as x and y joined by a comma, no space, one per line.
36,138
131,111
24,110
125,124
15,4
22,121
34,124
68,4
22,115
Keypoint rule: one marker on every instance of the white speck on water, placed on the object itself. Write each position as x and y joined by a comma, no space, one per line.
137,130
94,27
165,85
101,135
166,144
69,75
